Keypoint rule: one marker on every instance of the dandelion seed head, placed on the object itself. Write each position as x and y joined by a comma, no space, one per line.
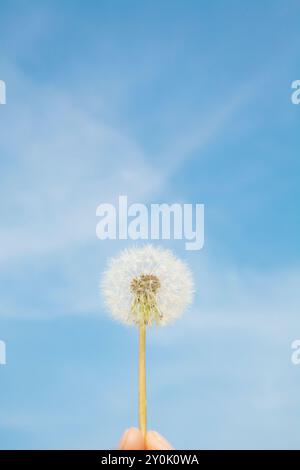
147,285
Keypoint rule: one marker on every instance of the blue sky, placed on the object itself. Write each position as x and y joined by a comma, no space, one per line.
174,101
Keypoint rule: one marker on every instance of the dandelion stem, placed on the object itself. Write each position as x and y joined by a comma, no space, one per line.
142,380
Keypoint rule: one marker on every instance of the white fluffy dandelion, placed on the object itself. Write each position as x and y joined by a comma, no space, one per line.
143,286
146,285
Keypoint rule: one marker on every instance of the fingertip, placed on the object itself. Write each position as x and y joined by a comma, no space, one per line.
132,439
154,441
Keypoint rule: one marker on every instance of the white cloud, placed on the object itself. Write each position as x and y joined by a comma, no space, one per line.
57,170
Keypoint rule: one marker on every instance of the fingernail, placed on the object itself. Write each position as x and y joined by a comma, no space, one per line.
123,440
157,441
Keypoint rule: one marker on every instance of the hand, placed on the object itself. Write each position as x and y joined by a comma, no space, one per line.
132,439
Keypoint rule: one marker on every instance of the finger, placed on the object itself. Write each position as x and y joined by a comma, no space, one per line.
155,441
132,439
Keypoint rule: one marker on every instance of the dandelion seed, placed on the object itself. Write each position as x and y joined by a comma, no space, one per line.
143,286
